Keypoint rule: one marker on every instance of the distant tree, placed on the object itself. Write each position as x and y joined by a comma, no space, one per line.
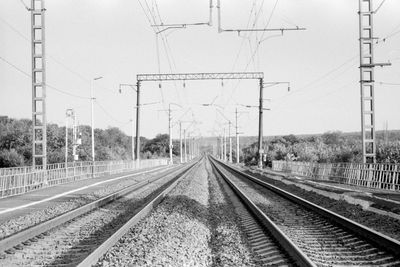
306,151
250,153
332,138
291,139
158,146
10,158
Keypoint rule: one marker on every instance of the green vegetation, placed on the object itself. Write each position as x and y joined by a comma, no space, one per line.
110,144
330,147
113,144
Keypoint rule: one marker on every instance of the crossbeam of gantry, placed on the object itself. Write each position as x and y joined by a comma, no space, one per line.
198,76
201,76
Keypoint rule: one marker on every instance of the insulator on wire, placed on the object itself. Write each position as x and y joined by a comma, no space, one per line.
288,89
159,85
184,84
222,83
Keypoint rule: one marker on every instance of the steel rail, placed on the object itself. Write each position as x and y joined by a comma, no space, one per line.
26,234
291,248
95,256
380,240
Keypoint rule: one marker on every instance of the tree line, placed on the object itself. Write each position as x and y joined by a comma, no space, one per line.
113,144
110,144
330,147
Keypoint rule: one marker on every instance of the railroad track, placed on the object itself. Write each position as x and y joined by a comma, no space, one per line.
309,234
69,239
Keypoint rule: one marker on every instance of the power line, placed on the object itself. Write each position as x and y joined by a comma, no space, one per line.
109,115
23,3
50,56
15,67
30,76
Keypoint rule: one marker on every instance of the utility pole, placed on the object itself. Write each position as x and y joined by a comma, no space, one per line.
230,143
189,148
170,137
184,136
169,110
133,116
185,145
92,119
180,141
74,138
237,138
92,98
193,148
39,127
68,114
224,145
237,135
260,124
137,124
133,113
367,82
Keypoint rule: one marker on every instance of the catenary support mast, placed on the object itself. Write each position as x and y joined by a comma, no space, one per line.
367,81
39,137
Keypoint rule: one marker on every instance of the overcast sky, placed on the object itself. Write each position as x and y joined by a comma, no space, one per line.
114,39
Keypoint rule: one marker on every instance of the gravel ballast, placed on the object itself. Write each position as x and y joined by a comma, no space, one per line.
30,219
325,243
228,242
193,226
381,223
71,242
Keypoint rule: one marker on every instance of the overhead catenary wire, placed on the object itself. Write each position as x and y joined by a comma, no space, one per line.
168,52
253,54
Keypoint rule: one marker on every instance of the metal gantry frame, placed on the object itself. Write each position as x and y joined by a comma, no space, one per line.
39,137
199,76
367,81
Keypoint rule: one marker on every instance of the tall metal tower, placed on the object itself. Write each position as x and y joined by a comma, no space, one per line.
39,139
367,65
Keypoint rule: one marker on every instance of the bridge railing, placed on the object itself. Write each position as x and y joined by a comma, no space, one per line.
382,176
19,180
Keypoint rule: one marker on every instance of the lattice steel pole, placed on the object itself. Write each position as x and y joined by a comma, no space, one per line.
39,127
367,81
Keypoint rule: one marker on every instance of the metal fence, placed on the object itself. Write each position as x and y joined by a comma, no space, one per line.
15,181
382,176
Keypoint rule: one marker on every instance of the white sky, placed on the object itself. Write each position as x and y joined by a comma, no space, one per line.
113,39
